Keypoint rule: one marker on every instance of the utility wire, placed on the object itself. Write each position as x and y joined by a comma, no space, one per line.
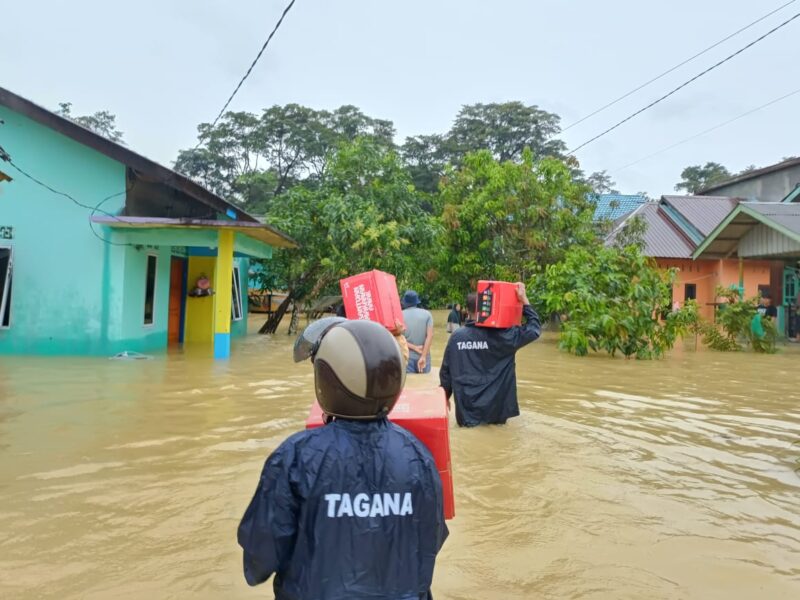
250,69
5,156
684,84
709,130
676,67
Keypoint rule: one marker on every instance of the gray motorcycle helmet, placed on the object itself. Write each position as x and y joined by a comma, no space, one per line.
307,342
359,370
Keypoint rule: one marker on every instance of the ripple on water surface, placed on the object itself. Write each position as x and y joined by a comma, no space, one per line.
621,479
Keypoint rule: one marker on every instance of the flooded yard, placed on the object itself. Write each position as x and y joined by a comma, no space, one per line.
621,479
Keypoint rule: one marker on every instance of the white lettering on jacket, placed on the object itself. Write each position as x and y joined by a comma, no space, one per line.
479,345
362,505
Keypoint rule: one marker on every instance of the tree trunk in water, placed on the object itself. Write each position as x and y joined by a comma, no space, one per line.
271,325
295,320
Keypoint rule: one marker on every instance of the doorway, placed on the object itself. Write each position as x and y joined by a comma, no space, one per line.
177,300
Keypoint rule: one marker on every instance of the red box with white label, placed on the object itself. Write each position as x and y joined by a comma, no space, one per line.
423,412
372,296
498,305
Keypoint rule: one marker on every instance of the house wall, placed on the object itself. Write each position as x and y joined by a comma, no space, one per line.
62,272
72,292
771,187
239,328
708,274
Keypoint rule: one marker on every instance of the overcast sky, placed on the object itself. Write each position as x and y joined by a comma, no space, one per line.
164,66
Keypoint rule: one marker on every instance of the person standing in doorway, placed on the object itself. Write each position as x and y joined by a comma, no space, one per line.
419,333
479,366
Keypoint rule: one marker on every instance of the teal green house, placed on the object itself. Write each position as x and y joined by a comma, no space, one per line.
103,250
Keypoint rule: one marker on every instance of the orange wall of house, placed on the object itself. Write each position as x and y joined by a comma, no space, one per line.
708,274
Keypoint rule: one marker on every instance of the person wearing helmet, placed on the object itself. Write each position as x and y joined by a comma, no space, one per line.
352,510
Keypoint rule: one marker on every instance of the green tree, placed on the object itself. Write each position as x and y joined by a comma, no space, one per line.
504,129
601,183
102,122
732,329
698,177
615,300
506,220
284,146
365,214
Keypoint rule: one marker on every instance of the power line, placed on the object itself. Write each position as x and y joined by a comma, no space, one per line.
709,130
684,84
96,208
252,65
676,67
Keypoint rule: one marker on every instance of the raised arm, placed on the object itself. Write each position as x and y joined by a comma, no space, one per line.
531,329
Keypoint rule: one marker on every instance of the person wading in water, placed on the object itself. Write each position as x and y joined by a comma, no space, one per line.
353,509
479,367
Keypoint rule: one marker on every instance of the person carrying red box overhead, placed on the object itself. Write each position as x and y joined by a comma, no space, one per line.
479,367
353,509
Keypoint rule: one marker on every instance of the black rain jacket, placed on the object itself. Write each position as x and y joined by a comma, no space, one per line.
380,542
479,369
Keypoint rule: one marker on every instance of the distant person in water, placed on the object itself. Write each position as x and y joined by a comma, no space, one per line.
479,367
454,318
419,333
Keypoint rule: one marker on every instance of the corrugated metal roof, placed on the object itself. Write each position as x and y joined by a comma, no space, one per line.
703,212
615,206
785,164
662,238
785,215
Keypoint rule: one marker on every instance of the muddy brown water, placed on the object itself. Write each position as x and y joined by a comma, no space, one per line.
621,479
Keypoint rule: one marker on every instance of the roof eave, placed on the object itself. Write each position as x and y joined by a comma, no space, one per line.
118,152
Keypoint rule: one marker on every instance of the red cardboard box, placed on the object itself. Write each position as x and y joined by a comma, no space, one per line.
498,305
423,412
372,296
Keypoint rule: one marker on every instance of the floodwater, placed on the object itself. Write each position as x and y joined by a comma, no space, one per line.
621,479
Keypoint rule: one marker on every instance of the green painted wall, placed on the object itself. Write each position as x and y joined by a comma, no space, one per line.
239,328
59,265
72,292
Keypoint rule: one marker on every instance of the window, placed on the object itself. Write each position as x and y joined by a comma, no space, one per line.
5,288
236,295
150,289
690,291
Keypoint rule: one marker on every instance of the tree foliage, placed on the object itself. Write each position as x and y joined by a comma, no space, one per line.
506,220
102,122
698,177
282,147
614,300
365,214
732,330
504,129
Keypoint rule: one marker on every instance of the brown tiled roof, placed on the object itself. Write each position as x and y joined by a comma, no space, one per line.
703,212
662,238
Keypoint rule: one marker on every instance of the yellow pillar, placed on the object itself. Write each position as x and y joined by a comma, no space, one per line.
222,309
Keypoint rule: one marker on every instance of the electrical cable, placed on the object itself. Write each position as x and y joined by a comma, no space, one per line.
94,209
676,67
709,130
684,84
250,69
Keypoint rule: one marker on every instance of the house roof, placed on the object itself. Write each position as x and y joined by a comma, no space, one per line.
121,154
702,212
724,240
615,206
258,231
662,238
785,164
